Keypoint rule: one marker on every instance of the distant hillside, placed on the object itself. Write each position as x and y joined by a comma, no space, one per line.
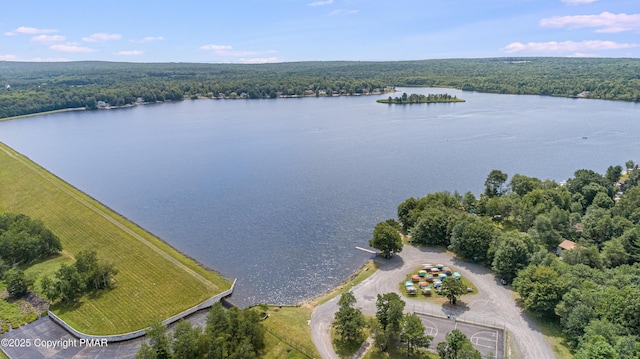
27,88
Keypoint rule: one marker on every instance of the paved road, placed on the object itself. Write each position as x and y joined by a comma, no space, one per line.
45,330
494,301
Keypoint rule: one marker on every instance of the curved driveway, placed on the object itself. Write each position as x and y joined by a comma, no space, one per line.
494,302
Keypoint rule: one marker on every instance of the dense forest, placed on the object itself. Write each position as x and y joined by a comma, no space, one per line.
27,88
590,288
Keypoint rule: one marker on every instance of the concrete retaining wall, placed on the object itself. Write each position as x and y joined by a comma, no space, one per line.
139,333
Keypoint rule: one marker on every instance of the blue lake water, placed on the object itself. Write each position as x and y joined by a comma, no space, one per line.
278,193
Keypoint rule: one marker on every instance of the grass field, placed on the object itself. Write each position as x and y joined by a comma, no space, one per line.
154,280
290,324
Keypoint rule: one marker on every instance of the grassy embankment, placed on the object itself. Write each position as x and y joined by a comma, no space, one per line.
154,280
42,113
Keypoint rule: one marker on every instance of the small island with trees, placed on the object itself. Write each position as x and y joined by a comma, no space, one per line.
419,98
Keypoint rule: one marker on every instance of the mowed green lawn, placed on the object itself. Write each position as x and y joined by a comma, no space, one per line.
154,280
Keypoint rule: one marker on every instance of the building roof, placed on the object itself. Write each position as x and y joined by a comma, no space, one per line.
567,245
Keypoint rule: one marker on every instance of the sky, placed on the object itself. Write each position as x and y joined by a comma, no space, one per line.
260,31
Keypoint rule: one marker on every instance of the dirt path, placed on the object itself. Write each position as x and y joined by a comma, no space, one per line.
494,302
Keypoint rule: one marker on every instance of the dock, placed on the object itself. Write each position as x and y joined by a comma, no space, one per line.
367,250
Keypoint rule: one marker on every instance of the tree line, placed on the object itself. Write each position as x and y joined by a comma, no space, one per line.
515,228
420,98
27,88
24,241
85,275
232,334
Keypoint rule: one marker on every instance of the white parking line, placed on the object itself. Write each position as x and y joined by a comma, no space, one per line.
482,339
432,329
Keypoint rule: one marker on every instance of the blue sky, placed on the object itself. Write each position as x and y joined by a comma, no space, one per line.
255,31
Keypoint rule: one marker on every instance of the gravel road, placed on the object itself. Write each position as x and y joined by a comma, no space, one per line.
493,302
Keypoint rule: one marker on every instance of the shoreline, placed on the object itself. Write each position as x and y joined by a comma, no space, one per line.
71,109
131,105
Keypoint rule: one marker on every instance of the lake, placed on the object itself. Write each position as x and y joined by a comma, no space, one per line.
278,193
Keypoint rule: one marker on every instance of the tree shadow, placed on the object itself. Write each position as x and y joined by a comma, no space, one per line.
62,308
451,310
387,264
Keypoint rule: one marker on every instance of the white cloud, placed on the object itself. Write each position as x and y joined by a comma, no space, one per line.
129,53
605,22
215,47
343,12
565,46
50,59
582,54
24,30
47,39
320,3
227,50
148,39
101,36
34,59
578,2
71,47
263,60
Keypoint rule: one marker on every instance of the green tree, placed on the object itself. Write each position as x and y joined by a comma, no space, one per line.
522,185
598,226
413,333
389,308
17,283
629,164
613,173
629,205
494,185
512,254
23,240
158,343
472,236
348,321
217,332
587,255
406,212
386,239
596,348
540,288
544,232
185,344
452,288
433,227
96,275
631,241
602,200
576,310
583,178
469,201
69,284
614,253
457,346
389,312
